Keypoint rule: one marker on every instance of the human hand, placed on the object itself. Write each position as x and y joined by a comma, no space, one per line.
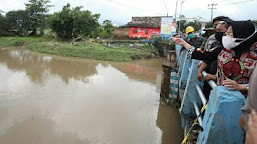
178,40
210,77
199,76
251,134
231,84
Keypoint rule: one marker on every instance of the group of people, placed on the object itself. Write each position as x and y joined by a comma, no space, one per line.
229,56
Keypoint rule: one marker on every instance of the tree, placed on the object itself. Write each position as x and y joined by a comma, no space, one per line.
255,21
183,23
209,24
2,25
17,22
195,24
108,27
37,10
73,23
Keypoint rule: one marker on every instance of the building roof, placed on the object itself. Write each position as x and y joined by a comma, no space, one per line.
152,22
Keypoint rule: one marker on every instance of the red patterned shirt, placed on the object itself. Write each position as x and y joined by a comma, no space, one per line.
239,70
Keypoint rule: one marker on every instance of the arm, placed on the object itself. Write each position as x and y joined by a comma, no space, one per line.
181,42
200,70
212,56
251,134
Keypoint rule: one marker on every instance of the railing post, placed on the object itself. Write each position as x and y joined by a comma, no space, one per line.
185,71
191,94
182,59
220,120
177,48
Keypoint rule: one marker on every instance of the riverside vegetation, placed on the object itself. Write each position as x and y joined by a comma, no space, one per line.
66,33
83,49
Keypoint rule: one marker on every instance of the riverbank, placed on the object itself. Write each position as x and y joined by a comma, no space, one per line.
82,49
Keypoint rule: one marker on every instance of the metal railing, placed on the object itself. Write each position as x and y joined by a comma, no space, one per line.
221,99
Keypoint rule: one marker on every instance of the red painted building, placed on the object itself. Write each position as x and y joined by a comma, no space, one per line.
137,32
140,27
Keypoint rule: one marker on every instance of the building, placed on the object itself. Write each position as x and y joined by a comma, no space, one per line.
140,27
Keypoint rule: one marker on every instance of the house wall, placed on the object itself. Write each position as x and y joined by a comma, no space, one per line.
136,32
121,33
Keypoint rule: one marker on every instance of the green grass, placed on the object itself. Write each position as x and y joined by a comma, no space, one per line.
80,50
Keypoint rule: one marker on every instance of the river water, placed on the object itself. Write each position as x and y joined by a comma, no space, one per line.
48,99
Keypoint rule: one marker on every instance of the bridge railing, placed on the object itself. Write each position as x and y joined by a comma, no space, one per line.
220,121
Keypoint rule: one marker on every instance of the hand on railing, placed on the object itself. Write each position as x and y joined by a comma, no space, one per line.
233,85
210,77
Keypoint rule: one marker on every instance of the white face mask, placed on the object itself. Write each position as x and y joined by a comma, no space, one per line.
229,42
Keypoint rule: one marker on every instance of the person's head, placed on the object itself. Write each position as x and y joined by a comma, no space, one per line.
240,36
184,34
221,28
176,35
190,32
208,32
216,20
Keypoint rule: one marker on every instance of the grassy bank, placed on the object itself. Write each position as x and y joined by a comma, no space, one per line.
81,49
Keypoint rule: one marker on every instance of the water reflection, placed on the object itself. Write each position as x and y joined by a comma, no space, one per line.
48,99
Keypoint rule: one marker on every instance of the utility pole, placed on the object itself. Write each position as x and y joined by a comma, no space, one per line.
212,8
176,11
180,14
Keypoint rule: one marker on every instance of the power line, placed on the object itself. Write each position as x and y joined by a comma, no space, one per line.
239,2
133,7
212,8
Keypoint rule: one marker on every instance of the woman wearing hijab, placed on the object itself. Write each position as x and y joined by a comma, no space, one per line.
238,58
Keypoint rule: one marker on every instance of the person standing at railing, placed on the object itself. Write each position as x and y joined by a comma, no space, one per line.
210,51
238,58
210,64
192,38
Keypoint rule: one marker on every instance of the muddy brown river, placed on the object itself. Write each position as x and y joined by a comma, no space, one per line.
48,99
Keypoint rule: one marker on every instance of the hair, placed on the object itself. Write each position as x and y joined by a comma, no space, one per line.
222,18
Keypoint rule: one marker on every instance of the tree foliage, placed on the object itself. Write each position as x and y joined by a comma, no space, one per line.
255,21
209,24
37,10
72,23
3,24
17,22
184,24
108,27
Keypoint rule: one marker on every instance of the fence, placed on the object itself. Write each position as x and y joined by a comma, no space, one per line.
220,121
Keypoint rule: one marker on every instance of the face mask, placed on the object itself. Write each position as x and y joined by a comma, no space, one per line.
191,36
219,36
230,43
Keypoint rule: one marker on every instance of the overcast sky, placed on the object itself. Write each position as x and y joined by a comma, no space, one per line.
121,11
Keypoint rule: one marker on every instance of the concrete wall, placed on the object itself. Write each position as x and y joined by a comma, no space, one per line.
221,118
